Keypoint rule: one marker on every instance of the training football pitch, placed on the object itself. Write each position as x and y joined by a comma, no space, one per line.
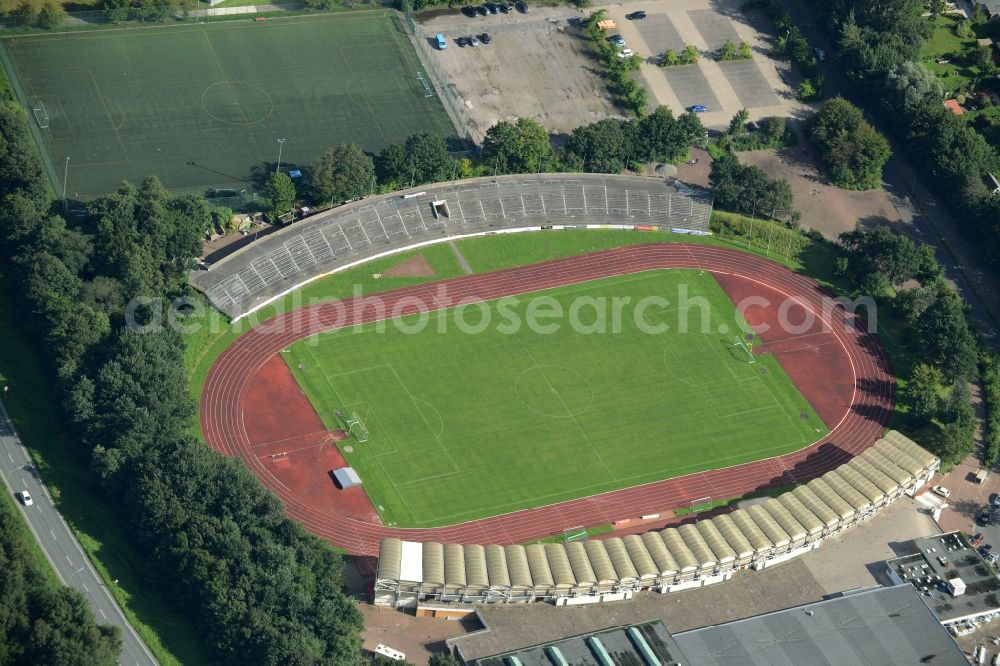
465,425
201,106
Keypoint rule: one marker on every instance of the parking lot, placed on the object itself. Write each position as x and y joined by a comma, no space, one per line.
758,85
968,500
536,66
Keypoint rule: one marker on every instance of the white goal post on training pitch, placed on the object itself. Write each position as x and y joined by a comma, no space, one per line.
41,115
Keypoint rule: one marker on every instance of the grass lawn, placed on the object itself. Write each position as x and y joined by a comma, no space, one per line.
944,43
214,332
95,520
542,417
203,105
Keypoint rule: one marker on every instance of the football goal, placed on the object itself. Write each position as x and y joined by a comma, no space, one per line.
428,92
745,343
701,504
41,115
357,428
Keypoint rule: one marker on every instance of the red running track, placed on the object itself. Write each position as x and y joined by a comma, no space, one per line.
861,425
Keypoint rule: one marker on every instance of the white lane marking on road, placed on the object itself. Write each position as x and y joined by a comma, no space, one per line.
10,456
53,534
101,610
68,560
87,589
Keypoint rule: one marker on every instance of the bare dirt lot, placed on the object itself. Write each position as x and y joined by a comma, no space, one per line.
535,67
824,207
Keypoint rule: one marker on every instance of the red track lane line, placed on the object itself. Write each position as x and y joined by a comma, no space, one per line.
222,422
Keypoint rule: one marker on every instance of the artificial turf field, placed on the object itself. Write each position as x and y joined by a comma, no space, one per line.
464,426
201,105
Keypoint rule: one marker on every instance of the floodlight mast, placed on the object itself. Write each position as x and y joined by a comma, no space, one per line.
281,144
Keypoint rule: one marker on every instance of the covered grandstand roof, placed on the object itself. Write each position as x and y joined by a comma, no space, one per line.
541,569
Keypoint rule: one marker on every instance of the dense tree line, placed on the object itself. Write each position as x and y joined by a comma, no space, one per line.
523,146
879,45
40,622
258,586
877,263
769,132
790,43
617,68
990,373
748,189
853,151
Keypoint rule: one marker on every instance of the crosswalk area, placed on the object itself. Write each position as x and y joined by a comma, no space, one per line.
365,229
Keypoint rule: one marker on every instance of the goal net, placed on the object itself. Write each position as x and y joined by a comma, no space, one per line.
428,92
41,115
701,504
578,533
744,344
357,428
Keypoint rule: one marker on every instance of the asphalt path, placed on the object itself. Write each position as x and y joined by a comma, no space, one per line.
58,543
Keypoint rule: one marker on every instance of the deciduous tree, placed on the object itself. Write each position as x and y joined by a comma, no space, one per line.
280,193
341,174
922,392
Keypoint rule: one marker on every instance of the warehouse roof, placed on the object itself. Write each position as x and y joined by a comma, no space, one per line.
647,644
887,626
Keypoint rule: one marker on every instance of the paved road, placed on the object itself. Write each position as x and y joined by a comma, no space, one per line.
59,544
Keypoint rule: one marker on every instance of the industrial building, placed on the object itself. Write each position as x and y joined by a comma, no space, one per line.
957,583
887,626
704,552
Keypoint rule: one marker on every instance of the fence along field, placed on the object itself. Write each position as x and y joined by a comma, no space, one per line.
462,426
201,106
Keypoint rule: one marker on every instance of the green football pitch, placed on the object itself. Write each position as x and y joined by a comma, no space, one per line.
466,425
201,106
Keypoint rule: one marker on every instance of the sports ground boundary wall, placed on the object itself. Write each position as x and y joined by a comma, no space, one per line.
693,555
343,237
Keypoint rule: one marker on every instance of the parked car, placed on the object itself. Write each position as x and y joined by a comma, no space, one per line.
697,108
993,557
469,11
626,53
25,498
473,41
635,16
441,44
485,38
462,41
522,7
617,40
941,490
984,519
977,539
820,54
491,8
995,500
482,11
